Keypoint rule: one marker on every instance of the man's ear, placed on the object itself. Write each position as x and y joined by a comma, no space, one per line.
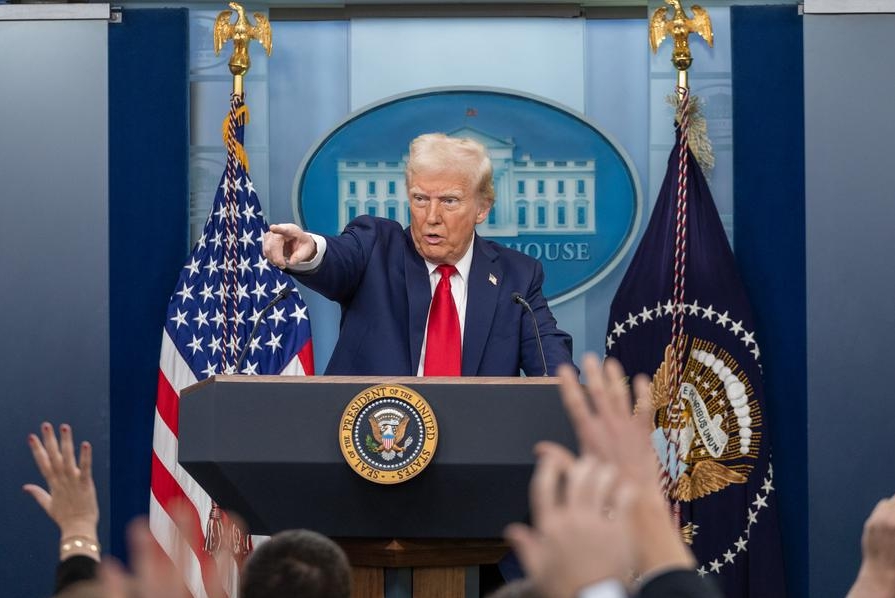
483,209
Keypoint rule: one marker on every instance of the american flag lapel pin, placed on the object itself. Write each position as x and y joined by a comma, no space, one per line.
492,279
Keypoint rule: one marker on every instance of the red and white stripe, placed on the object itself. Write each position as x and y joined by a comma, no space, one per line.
171,485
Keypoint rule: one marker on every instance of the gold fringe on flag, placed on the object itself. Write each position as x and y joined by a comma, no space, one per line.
242,118
698,138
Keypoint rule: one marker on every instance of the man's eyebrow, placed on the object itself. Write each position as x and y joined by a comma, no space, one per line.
457,193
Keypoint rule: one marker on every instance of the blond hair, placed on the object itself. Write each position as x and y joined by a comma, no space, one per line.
437,153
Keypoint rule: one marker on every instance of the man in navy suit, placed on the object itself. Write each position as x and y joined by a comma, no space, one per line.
384,277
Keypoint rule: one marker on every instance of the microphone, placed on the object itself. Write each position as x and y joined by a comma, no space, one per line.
285,292
518,298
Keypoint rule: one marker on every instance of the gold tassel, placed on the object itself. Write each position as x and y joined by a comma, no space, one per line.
240,543
214,530
242,118
242,156
698,136
242,115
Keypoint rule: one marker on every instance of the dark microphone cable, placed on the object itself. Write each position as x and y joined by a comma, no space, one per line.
518,298
280,296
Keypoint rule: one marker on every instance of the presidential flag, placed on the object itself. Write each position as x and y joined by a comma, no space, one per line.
681,316
226,289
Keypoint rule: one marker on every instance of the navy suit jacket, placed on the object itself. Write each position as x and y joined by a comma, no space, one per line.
375,273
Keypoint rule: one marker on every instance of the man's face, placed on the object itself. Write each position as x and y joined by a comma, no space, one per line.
444,209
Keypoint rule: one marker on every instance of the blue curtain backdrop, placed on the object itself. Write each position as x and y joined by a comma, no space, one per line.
148,233
769,235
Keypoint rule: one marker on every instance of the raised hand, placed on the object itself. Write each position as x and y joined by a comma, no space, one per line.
579,534
876,578
608,429
70,497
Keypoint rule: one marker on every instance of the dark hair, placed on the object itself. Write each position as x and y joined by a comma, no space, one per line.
298,563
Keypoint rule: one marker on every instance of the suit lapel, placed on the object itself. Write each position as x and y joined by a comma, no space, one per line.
483,288
419,295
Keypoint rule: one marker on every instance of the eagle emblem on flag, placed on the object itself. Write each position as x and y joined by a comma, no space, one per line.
716,443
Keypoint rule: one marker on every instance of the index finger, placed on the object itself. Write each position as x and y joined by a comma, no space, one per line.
549,449
544,490
618,395
594,380
287,230
41,459
272,247
578,408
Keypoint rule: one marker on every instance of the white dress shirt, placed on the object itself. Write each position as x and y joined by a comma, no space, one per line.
608,588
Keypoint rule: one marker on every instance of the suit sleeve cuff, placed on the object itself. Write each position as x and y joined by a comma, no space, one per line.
313,264
607,588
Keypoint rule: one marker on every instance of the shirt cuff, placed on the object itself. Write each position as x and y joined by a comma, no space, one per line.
607,588
304,267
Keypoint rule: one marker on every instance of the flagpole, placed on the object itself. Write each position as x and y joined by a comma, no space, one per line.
679,27
241,33
683,83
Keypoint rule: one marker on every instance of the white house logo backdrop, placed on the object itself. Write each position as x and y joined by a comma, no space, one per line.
566,193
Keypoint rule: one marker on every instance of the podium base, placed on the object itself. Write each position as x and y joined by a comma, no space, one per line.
438,566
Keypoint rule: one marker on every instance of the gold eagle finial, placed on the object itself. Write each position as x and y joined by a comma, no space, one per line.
680,27
241,32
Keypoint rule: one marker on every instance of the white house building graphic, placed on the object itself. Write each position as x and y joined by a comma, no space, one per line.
534,195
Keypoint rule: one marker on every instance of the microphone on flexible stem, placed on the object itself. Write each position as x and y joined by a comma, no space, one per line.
279,297
518,298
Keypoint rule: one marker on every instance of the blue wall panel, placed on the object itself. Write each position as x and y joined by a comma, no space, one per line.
849,219
54,356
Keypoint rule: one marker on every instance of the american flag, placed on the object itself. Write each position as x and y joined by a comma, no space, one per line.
220,295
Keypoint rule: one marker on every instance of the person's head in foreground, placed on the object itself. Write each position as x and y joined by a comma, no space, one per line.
297,563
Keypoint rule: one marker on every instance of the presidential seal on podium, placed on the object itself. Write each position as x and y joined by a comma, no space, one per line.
388,434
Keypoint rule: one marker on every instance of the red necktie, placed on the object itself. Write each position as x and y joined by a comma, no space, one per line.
443,333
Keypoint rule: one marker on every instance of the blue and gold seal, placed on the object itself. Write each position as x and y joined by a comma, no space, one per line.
388,433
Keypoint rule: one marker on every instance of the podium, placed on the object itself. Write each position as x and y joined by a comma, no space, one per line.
267,447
